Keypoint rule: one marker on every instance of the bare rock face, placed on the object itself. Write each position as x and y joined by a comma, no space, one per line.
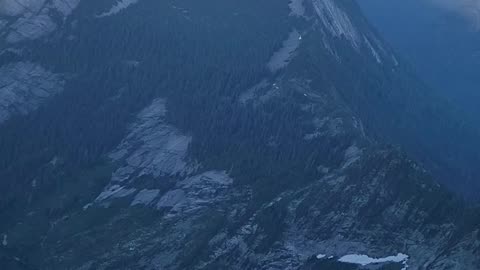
31,28
118,7
65,6
24,86
19,7
152,146
30,19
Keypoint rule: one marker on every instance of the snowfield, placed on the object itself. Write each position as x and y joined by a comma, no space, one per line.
366,260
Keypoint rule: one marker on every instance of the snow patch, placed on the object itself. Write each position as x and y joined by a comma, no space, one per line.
366,260
321,256
118,7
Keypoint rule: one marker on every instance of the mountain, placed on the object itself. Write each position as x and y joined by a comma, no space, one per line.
440,39
266,134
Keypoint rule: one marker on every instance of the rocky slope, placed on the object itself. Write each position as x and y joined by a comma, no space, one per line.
25,85
29,20
271,159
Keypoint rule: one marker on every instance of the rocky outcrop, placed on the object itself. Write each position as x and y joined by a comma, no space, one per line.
24,86
152,148
30,20
118,7
365,211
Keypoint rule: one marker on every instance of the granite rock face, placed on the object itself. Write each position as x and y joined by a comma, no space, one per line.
152,148
24,86
372,208
29,20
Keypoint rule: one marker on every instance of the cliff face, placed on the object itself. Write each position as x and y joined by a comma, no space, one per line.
222,135
29,20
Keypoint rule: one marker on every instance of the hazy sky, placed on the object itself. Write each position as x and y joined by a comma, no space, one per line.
468,8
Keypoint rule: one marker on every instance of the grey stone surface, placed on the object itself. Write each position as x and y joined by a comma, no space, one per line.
24,86
152,147
118,7
145,197
33,19
282,57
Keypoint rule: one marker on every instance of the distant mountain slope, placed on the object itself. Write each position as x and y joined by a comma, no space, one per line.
441,44
228,135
